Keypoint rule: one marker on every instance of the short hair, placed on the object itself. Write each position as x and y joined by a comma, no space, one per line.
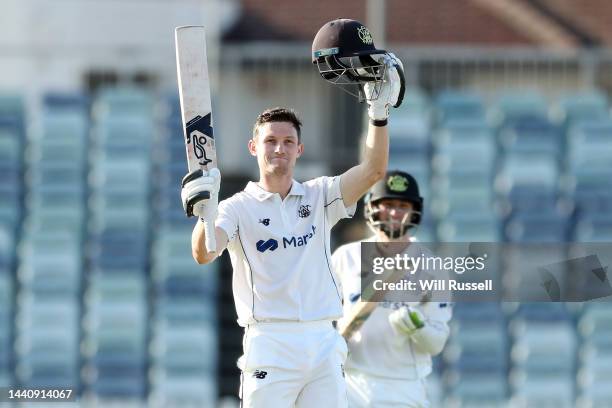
279,115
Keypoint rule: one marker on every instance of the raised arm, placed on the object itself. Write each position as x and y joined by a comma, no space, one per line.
194,185
356,181
198,248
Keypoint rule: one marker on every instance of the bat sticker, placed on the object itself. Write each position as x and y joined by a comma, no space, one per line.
198,129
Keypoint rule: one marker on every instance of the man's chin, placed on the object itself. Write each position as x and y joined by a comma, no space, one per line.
279,170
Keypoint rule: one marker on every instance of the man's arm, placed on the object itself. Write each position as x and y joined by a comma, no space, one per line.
357,180
426,325
198,248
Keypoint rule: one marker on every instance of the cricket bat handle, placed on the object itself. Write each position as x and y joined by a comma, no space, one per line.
209,225
209,239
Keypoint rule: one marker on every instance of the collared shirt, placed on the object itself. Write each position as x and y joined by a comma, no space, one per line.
378,349
280,251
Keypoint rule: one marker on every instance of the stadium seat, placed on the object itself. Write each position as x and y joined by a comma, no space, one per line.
586,105
523,170
521,104
458,142
184,390
532,136
480,390
456,104
470,228
590,145
122,101
537,227
594,228
478,348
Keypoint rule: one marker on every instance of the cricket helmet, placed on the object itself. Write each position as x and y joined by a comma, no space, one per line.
396,185
345,55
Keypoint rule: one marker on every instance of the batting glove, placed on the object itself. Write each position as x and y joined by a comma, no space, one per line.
197,183
390,91
407,320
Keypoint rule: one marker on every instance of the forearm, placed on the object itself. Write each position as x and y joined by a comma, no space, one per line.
357,180
376,152
198,247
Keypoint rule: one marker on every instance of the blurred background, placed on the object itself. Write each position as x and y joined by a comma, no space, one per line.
506,125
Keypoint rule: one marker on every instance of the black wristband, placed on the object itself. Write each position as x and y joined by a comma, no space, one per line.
379,123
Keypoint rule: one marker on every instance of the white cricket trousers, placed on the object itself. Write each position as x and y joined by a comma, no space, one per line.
293,364
374,392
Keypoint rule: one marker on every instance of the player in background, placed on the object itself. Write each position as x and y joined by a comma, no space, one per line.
277,232
390,356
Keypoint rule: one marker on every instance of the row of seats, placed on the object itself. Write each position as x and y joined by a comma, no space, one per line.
514,176
101,299
185,336
540,354
12,140
92,200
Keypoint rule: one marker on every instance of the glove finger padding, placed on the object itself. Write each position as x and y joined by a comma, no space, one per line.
395,70
200,191
389,92
407,320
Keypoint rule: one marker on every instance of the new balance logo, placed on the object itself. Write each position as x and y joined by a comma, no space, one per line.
265,221
260,374
263,246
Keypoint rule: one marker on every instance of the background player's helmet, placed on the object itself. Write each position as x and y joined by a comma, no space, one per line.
396,185
345,54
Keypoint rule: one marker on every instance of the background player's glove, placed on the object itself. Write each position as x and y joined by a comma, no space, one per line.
407,320
196,183
390,92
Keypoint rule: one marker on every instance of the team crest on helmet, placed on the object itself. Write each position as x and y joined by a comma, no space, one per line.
365,35
397,183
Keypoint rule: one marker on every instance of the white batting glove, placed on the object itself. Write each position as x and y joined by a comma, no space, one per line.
407,320
390,92
209,181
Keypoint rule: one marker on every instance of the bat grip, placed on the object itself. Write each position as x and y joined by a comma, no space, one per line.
210,240
209,226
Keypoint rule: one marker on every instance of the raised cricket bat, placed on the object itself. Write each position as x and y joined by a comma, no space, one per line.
196,112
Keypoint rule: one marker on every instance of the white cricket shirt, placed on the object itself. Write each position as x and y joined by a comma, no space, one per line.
377,349
280,251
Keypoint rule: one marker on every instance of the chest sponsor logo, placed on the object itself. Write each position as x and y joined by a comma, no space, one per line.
263,246
293,241
299,240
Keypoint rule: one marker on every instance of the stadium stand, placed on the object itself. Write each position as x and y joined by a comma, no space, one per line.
184,337
92,235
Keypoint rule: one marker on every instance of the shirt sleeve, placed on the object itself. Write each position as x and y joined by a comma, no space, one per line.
227,219
335,209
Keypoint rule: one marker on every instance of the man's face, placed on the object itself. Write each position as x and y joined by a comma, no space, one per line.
393,209
395,216
276,147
